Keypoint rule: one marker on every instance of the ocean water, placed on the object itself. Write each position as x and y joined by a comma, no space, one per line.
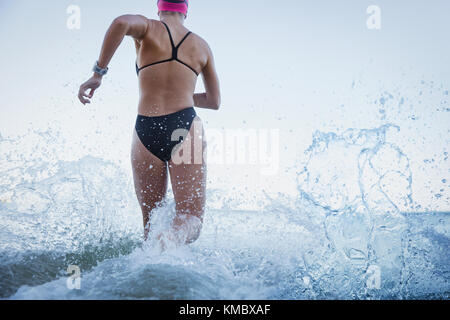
351,232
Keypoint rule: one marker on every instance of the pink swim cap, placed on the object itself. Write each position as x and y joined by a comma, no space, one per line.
173,5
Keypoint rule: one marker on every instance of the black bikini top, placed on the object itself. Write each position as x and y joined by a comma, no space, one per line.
174,53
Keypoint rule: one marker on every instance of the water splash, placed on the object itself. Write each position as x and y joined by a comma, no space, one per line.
347,227
359,181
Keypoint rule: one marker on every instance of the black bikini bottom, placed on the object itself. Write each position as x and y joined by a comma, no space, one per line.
160,135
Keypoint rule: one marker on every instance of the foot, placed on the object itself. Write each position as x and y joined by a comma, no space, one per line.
186,230
168,239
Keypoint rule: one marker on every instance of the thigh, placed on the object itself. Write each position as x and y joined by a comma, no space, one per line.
189,178
149,173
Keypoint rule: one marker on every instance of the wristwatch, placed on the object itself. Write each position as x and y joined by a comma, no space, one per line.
99,70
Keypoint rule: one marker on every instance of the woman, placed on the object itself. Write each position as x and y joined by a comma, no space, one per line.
168,136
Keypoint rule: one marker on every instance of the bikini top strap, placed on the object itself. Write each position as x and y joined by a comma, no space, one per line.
171,38
170,34
185,37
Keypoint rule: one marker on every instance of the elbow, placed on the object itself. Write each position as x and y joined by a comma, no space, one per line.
120,22
215,104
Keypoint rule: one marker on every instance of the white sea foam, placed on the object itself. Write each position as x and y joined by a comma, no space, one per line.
346,234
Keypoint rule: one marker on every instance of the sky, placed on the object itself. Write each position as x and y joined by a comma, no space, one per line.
292,66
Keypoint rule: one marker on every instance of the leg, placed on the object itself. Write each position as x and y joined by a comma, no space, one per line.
189,184
150,180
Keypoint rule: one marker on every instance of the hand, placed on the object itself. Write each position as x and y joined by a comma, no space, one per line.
92,84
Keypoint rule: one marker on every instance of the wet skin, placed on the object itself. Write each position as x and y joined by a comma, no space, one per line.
164,89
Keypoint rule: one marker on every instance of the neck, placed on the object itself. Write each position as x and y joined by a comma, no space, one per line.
171,17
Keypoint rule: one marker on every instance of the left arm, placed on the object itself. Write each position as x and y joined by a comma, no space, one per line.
135,26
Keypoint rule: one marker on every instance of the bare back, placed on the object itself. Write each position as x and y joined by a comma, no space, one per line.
168,87
167,78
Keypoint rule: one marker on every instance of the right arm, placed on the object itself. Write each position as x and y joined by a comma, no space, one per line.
127,25
211,98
